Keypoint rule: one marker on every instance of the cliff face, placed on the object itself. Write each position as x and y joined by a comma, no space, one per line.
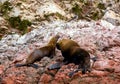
100,37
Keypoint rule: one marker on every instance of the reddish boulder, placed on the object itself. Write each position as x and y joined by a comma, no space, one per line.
1,69
45,78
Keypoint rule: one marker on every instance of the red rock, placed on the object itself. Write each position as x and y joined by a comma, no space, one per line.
104,64
57,82
8,80
79,74
74,82
45,78
109,80
1,69
83,80
117,68
51,72
99,73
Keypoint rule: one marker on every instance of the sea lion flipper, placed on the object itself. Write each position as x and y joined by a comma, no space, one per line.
55,66
19,65
94,59
72,73
33,65
84,69
29,65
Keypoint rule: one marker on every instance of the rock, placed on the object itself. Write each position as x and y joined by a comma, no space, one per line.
74,82
45,78
92,36
1,69
112,17
103,64
41,71
45,61
99,73
117,69
8,80
3,1
48,7
113,21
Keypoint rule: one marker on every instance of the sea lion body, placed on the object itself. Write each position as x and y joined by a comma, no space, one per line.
72,53
38,54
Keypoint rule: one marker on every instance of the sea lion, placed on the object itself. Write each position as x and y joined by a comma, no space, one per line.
72,53
38,54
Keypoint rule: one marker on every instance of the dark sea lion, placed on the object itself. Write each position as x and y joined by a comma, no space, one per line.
72,53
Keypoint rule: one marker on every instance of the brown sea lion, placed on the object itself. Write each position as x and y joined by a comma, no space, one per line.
72,53
38,54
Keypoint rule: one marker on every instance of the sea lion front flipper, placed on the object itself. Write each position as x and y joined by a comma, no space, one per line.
55,66
94,59
84,69
72,73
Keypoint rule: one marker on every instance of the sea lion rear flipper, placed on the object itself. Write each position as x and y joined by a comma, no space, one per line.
29,65
20,65
33,65
55,66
